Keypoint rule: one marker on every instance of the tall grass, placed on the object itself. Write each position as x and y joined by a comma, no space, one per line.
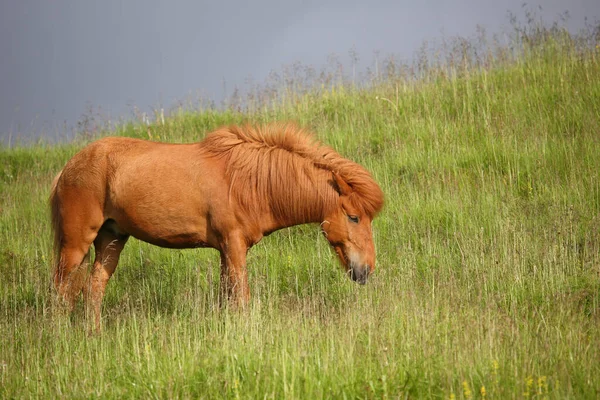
488,276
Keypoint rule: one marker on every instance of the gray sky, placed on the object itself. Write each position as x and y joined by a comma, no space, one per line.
59,58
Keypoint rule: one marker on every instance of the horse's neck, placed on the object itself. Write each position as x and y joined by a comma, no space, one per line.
303,205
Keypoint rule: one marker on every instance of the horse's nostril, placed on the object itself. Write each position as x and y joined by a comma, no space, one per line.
359,274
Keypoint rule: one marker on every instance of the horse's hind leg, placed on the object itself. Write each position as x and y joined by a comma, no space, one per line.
70,274
108,245
79,223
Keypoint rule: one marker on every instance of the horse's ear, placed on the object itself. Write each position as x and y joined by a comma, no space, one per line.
341,186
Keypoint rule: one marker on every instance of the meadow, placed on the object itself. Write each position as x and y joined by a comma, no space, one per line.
488,275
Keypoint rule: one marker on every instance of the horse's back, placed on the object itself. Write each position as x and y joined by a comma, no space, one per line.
158,192
103,158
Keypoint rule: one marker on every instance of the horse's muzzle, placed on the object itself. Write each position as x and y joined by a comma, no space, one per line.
359,274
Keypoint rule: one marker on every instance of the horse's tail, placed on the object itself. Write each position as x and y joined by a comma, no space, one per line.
56,224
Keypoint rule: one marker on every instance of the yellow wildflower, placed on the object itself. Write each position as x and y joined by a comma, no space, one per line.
466,390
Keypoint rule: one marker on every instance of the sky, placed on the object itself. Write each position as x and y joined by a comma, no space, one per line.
61,60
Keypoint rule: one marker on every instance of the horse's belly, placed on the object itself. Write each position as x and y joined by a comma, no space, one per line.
164,226
173,240
165,232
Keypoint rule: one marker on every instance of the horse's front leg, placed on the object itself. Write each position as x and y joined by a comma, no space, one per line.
234,275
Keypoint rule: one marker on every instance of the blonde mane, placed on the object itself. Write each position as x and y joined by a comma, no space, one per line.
263,162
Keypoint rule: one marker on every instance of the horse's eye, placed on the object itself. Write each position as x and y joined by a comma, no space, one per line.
353,218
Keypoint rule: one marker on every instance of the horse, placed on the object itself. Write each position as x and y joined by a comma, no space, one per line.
225,192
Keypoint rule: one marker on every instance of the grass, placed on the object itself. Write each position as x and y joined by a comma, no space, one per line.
488,278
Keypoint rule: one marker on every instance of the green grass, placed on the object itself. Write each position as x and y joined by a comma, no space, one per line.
488,276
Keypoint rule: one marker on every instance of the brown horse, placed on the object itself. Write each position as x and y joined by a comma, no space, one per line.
225,192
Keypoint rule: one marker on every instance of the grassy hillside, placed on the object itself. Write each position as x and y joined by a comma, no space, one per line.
488,276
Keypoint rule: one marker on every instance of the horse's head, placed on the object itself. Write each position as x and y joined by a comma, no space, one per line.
348,230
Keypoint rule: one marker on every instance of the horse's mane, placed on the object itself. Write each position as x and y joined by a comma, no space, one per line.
262,162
